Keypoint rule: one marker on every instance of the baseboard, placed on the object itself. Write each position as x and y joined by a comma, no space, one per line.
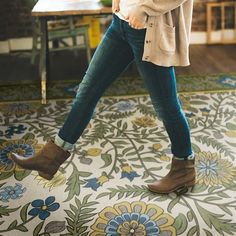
198,38
20,44
4,47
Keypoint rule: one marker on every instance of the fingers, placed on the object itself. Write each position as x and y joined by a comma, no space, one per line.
115,6
135,24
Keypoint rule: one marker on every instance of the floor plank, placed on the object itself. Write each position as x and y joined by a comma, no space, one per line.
210,59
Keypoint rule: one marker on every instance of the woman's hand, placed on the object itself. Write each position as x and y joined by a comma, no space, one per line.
134,22
115,6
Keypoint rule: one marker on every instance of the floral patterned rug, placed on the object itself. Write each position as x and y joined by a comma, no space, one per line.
101,190
58,89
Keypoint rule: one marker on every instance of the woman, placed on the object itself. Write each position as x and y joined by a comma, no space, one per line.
155,34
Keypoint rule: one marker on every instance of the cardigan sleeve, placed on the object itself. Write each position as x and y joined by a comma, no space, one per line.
154,7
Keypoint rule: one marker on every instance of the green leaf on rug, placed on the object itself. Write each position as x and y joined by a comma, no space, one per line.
208,233
196,148
107,159
73,184
23,212
209,141
180,223
173,203
20,175
5,175
79,215
12,225
190,216
126,191
198,188
146,110
222,226
225,209
230,126
29,136
1,184
38,228
84,174
22,228
5,212
213,188
192,231
99,131
231,144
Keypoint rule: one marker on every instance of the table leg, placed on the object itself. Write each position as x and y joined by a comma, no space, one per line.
44,59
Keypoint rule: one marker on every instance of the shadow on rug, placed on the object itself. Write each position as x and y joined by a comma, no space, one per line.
101,189
123,86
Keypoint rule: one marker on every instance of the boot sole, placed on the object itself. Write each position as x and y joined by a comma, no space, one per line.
187,185
45,175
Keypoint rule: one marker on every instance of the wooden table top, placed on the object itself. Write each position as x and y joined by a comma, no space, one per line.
69,7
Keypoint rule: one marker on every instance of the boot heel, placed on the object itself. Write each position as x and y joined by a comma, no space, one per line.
45,176
184,189
190,184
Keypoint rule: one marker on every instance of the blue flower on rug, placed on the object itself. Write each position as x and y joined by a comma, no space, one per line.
213,170
125,106
43,208
229,81
19,148
24,147
205,111
14,130
128,173
95,183
136,218
190,115
10,192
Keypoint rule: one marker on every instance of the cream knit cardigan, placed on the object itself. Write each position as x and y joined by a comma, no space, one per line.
168,30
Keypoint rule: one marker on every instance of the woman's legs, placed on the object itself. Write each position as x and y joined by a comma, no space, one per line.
111,58
161,84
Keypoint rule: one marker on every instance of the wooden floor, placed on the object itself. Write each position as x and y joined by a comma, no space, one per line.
16,67
207,59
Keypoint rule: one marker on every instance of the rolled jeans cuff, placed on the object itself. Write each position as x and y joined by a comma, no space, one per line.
63,144
189,157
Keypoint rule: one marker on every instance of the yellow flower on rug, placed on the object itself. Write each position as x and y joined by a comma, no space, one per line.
212,169
231,133
94,152
157,146
144,121
165,158
136,218
185,102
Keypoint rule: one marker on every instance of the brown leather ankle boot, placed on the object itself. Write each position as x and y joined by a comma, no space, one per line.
47,161
182,174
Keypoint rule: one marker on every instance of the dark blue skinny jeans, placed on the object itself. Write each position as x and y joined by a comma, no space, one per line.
121,45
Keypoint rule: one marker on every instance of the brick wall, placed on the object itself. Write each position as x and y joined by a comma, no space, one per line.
15,18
